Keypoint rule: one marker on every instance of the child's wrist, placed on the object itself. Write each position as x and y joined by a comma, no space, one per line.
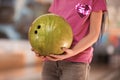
76,51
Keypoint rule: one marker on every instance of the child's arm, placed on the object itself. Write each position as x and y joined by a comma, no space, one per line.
87,41
92,37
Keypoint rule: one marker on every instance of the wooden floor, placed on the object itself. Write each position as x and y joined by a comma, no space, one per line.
33,72
18,62
103,72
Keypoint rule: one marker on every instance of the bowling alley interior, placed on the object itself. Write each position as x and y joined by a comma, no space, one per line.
19,62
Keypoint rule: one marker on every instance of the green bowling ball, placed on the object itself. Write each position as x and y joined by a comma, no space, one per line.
49,33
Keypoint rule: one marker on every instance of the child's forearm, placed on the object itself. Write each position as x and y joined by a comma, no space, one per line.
86,42
92,37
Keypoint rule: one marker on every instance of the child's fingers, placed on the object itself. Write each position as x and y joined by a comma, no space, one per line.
32,49
65,49
43,58
38,55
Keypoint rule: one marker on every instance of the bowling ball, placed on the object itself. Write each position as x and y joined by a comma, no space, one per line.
49,33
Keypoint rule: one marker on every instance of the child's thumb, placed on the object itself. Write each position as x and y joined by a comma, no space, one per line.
64,49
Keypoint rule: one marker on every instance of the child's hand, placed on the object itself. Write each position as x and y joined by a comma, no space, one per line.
38,55
68,53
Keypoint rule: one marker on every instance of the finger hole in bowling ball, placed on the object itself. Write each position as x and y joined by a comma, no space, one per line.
35,32
39,26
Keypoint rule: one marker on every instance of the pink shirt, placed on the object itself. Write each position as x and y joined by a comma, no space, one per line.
77,13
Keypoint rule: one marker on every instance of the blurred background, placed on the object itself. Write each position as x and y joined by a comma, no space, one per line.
18,62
